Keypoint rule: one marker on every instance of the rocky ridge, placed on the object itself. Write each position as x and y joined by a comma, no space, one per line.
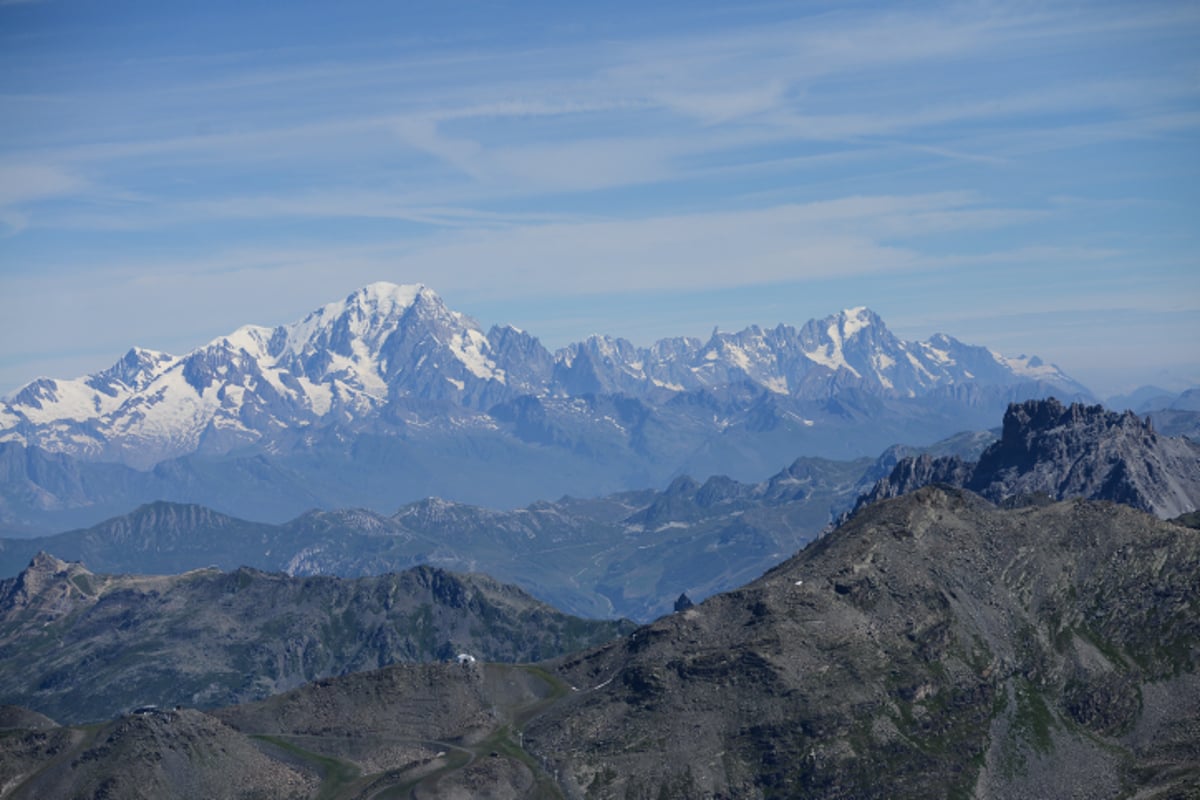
1047,448
932,646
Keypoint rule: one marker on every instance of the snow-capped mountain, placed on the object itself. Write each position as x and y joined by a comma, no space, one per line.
343,362
391,355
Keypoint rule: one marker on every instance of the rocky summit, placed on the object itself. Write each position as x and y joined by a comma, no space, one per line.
933,646
1059,451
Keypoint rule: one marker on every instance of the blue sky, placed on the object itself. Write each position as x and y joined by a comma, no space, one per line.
1019,175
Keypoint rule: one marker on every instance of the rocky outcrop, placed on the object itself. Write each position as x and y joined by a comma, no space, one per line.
1060,451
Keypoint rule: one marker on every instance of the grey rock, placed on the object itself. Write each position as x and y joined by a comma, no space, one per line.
1067,451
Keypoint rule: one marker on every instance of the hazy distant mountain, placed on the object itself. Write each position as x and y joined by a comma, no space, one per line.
388,396
1173,414
80,646
628,555
935,646
1067,451
1145,399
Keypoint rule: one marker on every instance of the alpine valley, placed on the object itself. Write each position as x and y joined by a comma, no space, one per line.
388,396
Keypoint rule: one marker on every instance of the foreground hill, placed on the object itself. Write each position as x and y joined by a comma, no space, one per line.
933,646
388,396
79,646
1049,449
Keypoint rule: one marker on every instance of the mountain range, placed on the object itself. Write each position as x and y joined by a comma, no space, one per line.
388,396
631,554
933,646
628,554
81,646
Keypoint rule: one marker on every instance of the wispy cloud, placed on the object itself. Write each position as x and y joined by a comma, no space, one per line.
24,184
866,142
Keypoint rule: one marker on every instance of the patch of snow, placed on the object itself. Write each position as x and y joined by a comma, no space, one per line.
940,356
777,385
251,338
457,383
854,320
916,362
738,356
1028,367
881,362
830,355
469,348
319,395
73,400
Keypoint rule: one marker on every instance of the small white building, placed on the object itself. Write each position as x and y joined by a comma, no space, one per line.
465,658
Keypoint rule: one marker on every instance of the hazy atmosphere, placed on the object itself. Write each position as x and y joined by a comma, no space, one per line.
1018,175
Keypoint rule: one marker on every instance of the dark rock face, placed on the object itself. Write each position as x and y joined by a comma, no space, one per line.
1067,451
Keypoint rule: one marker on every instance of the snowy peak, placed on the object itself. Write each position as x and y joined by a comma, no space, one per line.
387,340
134,371
368,316
855,340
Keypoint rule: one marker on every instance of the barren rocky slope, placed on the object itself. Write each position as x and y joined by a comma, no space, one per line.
1067,451
934,646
